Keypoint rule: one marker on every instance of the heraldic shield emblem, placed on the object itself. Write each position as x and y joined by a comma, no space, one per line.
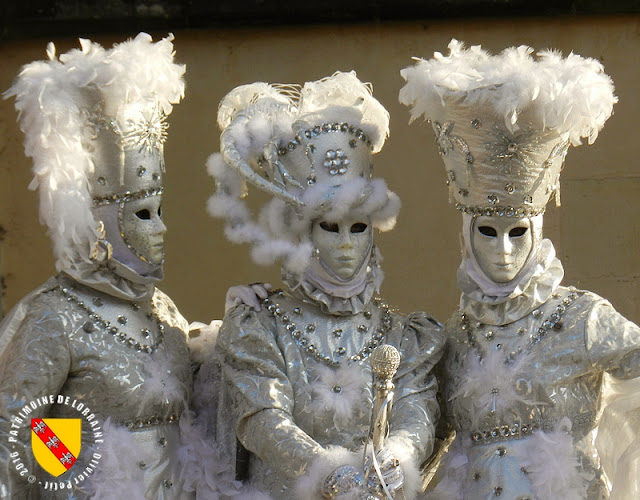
56,443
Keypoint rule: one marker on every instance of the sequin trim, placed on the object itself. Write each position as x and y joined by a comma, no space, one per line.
95,320
142,422
518,430
297,335
126,196
552,322
326,128
500,211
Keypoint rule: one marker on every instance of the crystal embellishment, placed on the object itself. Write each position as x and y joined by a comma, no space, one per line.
336,161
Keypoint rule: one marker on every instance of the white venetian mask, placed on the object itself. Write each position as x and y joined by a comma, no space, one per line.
343,246
143,229
501,245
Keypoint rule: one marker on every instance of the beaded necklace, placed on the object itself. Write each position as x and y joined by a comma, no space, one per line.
96,321
552,322
305,343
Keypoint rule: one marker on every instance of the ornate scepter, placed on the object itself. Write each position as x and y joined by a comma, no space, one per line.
385,360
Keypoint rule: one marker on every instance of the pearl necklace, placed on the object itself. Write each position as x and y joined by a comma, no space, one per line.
296,332
95,320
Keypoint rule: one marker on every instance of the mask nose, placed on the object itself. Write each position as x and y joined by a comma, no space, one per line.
346,242
505,246
161,228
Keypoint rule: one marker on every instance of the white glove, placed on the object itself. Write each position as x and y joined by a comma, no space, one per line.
249,295
388,470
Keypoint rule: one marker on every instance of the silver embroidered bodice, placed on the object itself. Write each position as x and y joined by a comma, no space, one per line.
524,399
126,361
299,380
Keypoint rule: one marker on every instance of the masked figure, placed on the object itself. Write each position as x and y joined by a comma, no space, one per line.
98,336
525,361
297,372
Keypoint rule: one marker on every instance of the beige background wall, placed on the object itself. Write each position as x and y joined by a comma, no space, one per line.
596,231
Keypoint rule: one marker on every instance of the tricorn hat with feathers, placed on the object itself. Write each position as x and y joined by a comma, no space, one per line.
310,149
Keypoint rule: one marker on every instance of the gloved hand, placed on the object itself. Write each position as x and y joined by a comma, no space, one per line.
388,471
250,295
346,480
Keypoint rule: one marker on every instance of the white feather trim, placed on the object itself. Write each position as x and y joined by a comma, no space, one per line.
309,486
336,98
571,95
119,473
351,379
552,465
402,449
490,384
161,384
257,118
204,470
52,98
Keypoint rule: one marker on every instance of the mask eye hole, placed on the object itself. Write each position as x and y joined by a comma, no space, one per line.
488,231
159,211
358,227
143,214
332,227
516,232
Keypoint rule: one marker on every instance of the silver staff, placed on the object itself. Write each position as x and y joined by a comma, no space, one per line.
385,360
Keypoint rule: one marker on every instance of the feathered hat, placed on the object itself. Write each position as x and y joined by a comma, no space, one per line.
308,147
503,123
88,118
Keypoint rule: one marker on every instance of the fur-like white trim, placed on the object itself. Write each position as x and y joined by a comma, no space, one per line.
402,449
256,120
119,473
52,100
571,95
481,377
204,470
351,378
309,486
281,231
552,464
202,340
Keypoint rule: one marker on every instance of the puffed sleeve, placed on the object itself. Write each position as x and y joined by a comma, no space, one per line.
613,345
415,409
33,364
613,342
260,393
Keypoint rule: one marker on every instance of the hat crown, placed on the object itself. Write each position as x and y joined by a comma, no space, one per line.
503,122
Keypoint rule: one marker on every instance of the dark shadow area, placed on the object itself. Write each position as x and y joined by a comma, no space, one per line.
35,18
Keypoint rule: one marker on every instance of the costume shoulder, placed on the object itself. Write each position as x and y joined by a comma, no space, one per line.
168,312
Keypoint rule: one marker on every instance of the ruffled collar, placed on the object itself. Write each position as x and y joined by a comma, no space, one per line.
338,297
115,279
532,291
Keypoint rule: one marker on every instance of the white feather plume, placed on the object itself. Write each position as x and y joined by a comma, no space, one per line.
52,98
571,95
